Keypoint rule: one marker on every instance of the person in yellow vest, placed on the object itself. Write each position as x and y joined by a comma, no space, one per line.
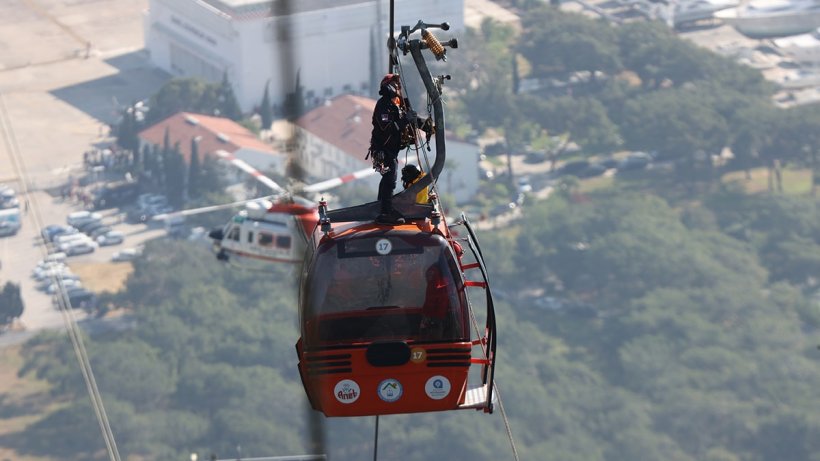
410,175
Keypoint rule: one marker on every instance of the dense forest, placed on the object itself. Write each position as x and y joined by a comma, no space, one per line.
683,335
668,316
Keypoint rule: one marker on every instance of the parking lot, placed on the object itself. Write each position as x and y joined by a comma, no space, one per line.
66,67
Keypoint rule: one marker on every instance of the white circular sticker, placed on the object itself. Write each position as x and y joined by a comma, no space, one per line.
390,390
384,247
437,387
346,391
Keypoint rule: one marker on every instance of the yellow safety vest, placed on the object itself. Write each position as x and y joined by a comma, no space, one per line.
422,197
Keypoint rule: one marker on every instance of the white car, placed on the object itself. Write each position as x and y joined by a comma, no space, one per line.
66,283
111,238
78,218
61,240
52,258
79,248
128,254
54,271
64,275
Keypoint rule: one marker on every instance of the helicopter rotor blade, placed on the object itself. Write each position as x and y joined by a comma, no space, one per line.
206,209
244,166
338,181
344,179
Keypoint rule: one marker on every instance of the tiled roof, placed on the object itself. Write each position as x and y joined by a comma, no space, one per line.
344,122
215,133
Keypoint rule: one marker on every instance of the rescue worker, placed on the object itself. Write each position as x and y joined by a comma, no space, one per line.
410,175
390,123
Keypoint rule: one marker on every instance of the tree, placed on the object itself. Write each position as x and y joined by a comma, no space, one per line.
227,105
174,176
11,303
182,94
128,129
294,103
559,43
681,124
194,171
266,109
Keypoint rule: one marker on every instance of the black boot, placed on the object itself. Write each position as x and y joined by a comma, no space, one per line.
390,217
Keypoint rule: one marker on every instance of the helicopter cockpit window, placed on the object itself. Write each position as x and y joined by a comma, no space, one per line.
234,234
283,241
361,292
265,239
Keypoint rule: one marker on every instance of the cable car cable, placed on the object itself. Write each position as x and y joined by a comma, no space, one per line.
474,321
376,441
64,303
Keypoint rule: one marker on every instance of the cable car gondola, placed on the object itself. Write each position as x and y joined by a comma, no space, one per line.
386,321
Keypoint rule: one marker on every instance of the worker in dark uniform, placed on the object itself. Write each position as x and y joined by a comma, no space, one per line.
391,125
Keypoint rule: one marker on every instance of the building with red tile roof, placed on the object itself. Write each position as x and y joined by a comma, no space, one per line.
213,134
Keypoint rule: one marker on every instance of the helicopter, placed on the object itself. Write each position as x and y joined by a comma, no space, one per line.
270,229
384,314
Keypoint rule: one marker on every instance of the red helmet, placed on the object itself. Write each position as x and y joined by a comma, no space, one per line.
390,85
390,78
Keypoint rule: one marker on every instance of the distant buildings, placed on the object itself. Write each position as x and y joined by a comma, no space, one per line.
330,46
212,134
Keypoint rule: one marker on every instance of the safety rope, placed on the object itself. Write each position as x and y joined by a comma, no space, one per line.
497,391
376,441
64,303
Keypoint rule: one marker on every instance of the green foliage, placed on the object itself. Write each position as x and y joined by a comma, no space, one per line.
11,303
194,95
227,105
266,109
555,42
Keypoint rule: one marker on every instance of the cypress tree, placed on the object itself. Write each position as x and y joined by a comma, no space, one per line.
266,111
228,106
194,170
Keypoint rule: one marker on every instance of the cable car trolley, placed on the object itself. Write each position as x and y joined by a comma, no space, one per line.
387,325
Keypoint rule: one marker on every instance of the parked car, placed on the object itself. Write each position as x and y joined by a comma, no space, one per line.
82,299
102,230
535,157
595,169
52,258
573,168
63,239
110,238
636,161
77,297
66,275
128,254
52,231
79,218
524,185
65,282
89,227
51,270
79,248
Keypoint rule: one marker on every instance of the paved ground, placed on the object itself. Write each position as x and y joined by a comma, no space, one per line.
66,66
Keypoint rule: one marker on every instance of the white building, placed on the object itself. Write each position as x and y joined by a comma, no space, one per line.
334,46
334,137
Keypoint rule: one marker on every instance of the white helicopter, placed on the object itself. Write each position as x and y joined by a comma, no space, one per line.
269,229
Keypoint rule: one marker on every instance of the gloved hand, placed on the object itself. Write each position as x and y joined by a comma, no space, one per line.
427,126
411,116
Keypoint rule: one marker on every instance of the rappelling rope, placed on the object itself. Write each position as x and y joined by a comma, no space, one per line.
486,354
